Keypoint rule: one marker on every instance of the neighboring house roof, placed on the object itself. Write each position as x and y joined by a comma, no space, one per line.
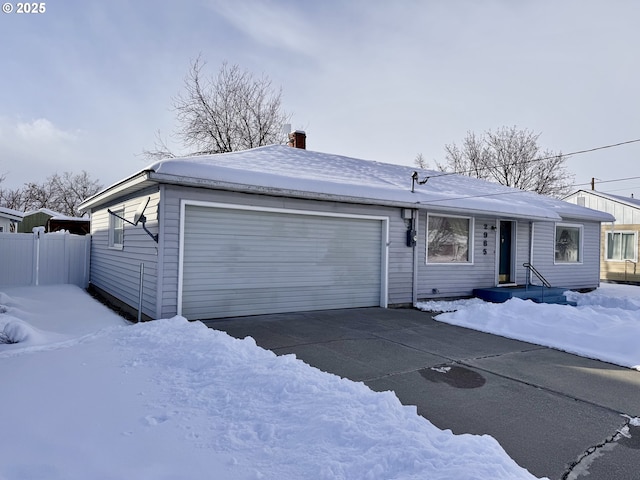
11,214
629,201
287,171
46,211
55,215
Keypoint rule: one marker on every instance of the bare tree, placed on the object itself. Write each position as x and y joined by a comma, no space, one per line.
39,195
11,198
510,157
228,112
61,193
420,162
72,190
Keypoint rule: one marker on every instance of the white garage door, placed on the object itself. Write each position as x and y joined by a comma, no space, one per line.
245,262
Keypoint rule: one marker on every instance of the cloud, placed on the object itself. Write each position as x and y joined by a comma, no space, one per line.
42,130
267,23
31,150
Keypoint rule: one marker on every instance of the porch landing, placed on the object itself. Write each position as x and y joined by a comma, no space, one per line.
536,293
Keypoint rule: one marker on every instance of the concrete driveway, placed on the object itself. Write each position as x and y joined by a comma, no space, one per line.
555,414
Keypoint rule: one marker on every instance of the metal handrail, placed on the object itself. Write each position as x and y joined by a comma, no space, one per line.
635,264
537,274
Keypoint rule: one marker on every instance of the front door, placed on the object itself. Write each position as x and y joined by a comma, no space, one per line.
506,252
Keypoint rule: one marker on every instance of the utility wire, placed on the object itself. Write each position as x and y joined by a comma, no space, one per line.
607,181
567,155
615,190
578,152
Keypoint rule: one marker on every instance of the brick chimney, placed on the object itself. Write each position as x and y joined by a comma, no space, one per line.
298,139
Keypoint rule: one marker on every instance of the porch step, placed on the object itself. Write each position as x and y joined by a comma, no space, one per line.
553,295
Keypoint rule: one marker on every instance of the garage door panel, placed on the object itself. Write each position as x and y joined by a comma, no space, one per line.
266,302
243,262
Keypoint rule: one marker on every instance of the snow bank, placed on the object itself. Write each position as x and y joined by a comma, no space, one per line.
605,325
171,399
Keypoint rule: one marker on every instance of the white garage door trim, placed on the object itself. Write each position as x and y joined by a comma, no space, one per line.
384,247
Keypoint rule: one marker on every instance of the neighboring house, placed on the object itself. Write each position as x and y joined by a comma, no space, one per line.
54,222
621,239
9,220
277,229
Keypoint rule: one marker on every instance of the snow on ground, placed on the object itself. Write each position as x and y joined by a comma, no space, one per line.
87,396
605,325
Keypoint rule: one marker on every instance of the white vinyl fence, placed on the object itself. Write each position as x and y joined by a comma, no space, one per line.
44,259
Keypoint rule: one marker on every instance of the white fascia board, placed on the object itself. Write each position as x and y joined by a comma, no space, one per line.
11,216
280,192
113,191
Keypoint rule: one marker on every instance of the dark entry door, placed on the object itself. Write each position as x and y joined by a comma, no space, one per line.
506,240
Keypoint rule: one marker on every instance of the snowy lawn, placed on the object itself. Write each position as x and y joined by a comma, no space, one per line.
605,325
87,396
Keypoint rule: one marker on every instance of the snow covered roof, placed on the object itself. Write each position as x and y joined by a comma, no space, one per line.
630,201
55,215
282,170
46,211
11,214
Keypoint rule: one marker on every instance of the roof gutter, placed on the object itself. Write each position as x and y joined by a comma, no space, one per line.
137,180
107,193
281,192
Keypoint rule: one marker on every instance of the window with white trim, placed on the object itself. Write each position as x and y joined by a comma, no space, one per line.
449,239
568,243
622,246
116,229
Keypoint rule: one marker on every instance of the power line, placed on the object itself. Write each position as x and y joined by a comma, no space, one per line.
578,152
608,181
566,155
615,190
603,147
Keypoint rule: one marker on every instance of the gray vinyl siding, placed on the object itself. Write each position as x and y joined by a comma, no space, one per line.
585,274
400,285
453,280
117,272
399,262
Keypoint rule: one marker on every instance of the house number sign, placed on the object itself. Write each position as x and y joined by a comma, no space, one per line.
485,236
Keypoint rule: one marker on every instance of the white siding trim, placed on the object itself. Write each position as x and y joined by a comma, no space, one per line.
626,232
472,226
514,251
579,226
384,287
160,214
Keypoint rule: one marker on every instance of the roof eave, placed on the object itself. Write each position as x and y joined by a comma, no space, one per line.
281,192
616,199
131,183
14,218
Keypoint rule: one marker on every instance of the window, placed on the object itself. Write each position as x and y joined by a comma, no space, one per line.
568,243
448,239
621,246
116,229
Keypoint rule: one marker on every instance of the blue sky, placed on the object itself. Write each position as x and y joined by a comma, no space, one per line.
87,84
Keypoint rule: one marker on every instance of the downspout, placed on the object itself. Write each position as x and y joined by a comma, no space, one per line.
414,282
160,273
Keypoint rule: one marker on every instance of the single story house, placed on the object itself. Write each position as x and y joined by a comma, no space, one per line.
276,229
53,221
621,238
9,220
